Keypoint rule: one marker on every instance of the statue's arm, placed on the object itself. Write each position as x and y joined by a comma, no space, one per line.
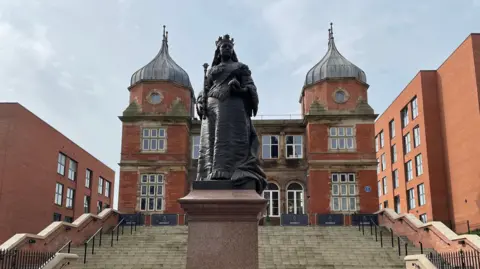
200,98
248,83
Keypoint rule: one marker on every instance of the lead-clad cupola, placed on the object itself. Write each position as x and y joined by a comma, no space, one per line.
162,68
334,65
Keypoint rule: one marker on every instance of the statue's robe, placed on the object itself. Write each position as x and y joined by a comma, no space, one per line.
228,141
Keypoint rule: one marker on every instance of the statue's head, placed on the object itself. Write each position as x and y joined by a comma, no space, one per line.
224,50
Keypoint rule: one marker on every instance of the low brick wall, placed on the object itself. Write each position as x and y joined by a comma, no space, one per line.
434,235
58,233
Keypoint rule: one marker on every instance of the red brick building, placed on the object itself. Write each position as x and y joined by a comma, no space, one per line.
322,163
427,144
44,176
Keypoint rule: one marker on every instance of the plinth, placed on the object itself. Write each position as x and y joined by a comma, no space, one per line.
222,225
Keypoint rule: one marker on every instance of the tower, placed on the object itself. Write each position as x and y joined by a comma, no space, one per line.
155,137
339,136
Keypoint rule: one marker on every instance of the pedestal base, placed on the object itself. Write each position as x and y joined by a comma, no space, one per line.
222,226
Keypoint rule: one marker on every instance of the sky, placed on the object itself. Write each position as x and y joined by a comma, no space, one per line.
70,62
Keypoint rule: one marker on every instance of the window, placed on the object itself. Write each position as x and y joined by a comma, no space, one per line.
68,219
295,201
294,145
385,186
406,144
395,179
376,143
416,136
61,164
88,178
419,165
379,187
411,198
378,166
385,204
270,146
151,192
382,140
404,116
272,195
86,204
58,194
384,162
70,197
409,170
380,206
391,126
423,218
341,138
421,195
72,170
99,206
414,108
100,185
57,217
153,139
344,192
107,188
396,204
393,153
195,146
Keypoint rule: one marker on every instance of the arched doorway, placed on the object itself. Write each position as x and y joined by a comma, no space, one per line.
272,195
295,199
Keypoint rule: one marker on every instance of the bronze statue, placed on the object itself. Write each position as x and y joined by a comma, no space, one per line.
228,141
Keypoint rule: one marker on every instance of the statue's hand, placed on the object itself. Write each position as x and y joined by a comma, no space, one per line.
235,86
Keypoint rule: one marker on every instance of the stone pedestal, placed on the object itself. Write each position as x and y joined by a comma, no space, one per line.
222,225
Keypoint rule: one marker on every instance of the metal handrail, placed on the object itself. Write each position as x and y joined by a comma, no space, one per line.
93,243
117,229
69,243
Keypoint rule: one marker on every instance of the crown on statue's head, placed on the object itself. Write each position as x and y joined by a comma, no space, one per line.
225,39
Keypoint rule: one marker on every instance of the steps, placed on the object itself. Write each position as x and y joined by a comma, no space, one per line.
279,248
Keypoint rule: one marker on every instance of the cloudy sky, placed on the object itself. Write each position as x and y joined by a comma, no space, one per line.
70,62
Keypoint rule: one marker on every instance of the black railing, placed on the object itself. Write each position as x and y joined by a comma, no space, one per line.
18,259
67,245
116,229
455,260
92,238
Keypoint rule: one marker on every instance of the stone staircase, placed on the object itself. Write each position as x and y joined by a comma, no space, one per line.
279,248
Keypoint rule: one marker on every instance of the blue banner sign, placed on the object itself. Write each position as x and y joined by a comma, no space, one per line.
164,219
294,220
364,219
330,219
138,219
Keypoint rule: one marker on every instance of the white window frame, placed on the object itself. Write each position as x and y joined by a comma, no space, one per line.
152,190
195,147
344,192
100,185
295,199
384,161
416,136
151,136
107,188
378,166
391,126
269,195
414,103
419,165
61,162
379,188
294,145
376,143
382,140
411,198
59,194
88,178
385,185
397,207
341,134
423,218
422,199
395,179
407,147
271,145
70,198
86,203
409,170
393,153
99,206
404,117
72,169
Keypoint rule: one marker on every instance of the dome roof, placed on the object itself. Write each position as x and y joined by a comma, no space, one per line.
334,65
162,68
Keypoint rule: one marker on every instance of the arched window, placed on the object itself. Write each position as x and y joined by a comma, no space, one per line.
295,199
272,194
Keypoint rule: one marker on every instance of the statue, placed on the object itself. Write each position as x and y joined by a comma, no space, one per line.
228,141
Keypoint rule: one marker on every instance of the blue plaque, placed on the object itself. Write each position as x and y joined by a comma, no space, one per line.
294,220
368,189
364,219
164,219
133,219
330,219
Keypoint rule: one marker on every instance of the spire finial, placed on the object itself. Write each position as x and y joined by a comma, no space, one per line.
164,35
331,30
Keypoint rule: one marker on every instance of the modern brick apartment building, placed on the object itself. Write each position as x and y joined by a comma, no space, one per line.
321,163
44,176
427,142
